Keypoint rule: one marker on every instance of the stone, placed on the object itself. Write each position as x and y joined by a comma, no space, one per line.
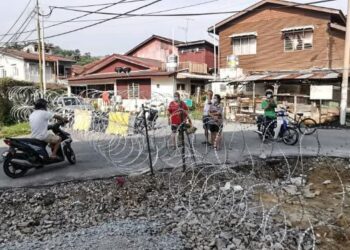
38,210
327,182
291,189
226,187
220,243
237,188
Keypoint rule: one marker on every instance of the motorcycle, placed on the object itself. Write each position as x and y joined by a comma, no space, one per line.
27,153
151,119
266,129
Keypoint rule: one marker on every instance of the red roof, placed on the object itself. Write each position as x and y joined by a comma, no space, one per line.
32,56
153,37
144,62
114,75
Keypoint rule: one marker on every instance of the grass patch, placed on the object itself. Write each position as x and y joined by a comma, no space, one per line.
15,130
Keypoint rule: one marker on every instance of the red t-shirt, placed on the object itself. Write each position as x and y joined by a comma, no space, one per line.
175,109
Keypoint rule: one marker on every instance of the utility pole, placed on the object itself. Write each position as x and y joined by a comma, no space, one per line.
43,54
345,83
39,46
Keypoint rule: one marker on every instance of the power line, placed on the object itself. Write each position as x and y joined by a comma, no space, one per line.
17,20
101,4
75,18
21,30
184,14
103,21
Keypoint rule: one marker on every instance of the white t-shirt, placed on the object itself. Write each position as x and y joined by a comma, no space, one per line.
206,107
39,121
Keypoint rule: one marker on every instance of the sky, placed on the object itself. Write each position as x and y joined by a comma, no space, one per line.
120,35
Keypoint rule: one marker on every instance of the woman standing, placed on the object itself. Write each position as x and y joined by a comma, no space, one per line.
216,121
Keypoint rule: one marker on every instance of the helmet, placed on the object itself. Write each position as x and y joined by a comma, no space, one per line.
269,91
40,104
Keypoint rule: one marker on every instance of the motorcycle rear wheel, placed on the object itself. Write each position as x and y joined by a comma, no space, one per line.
70,155
13,170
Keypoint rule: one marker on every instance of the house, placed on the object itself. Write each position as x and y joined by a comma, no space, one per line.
24,65
155,47
282,45
194,64
145,80
154,75
199,52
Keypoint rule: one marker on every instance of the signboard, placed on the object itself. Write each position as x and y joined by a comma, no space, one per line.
321,92
232,61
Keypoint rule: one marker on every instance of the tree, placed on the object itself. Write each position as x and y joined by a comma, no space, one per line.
75,54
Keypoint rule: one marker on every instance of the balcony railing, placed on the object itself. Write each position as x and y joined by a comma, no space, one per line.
192,67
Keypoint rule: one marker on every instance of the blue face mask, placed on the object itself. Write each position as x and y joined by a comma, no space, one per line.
176,98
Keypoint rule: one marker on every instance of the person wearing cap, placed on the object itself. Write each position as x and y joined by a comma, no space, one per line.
39,121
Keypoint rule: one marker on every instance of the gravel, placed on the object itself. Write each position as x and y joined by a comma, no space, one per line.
122,234
205,208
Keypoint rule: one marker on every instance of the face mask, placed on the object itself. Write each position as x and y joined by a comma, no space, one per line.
268,96
216,101
176,98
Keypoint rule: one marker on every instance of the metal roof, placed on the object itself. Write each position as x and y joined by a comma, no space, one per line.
280,76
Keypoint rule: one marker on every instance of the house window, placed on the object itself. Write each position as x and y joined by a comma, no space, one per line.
133,90
180,86
14,70
298,40
244,45
2,72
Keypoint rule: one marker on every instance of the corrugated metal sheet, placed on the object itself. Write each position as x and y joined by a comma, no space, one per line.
298,28
275,76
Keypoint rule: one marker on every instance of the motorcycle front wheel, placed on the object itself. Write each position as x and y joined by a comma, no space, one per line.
290,136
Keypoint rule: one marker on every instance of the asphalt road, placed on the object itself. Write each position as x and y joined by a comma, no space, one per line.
129,154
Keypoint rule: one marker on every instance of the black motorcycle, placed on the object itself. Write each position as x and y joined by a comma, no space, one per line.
27,153
151,119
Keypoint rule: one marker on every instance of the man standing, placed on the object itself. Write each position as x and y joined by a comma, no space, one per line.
206,116
269,106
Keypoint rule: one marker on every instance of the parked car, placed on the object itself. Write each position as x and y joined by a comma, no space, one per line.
73,103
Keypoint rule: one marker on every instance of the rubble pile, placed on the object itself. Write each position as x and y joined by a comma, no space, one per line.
206,208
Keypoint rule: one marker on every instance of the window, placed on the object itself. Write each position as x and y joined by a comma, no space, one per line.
2,72
180,86
14,70
133,90
244,45
298,40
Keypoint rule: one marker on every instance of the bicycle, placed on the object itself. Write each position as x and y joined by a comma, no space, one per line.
306,126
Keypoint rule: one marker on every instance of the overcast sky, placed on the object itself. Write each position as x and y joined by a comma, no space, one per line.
120,35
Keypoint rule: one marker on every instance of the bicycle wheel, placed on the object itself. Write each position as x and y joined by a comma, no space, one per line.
307,126
290,136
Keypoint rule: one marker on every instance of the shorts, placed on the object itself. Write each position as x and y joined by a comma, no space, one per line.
214,128
51,138
205,120
174,128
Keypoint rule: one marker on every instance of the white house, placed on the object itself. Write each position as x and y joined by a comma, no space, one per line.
24,65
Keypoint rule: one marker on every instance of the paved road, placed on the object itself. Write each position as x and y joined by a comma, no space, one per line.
241,143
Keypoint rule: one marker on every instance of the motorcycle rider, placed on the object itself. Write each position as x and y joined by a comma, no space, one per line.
269,105
39,121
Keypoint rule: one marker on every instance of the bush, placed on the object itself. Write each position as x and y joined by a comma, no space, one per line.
5,105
